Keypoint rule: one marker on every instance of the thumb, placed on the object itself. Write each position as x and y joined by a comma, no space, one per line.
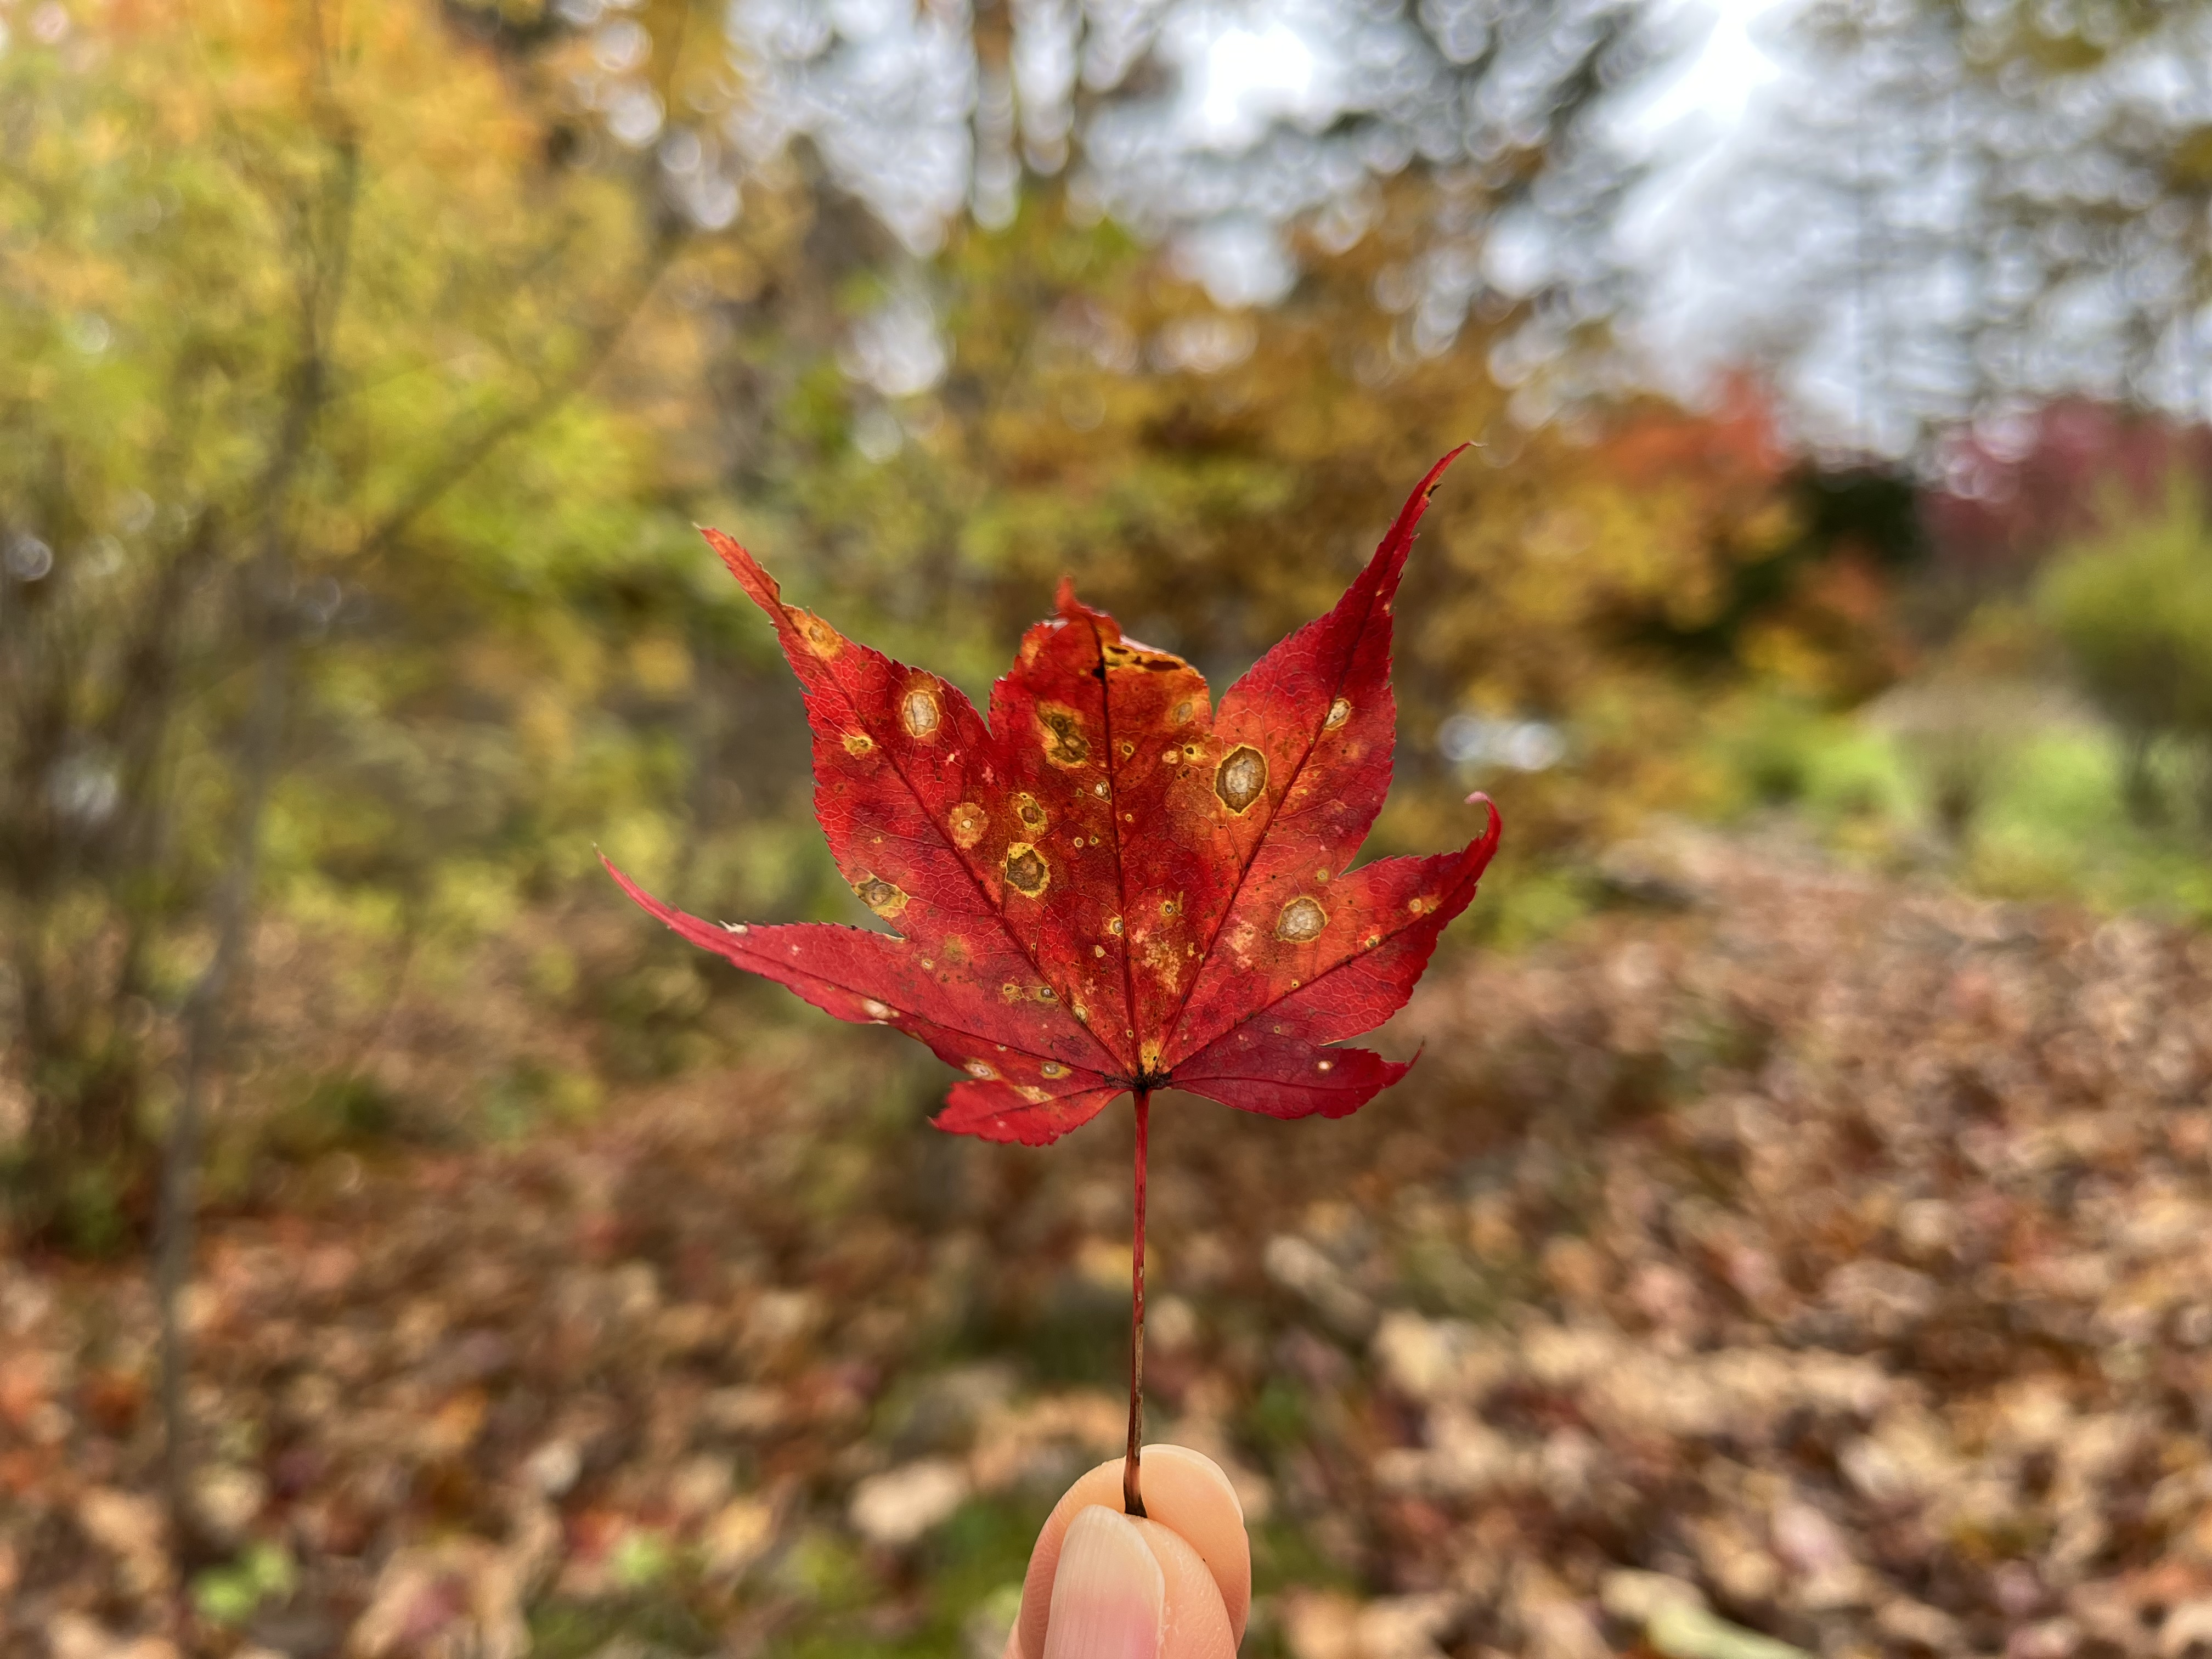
1109,1596
1104,1586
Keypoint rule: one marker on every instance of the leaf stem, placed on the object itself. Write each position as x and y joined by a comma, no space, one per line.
1132,1499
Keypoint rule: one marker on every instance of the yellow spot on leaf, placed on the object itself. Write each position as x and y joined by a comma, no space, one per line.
1301,921
967,823
822,640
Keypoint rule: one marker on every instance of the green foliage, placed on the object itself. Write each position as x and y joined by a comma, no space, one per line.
2134,609
306,333
657,1624
2058,826
967,1581
2050,822
334,1112
233,1593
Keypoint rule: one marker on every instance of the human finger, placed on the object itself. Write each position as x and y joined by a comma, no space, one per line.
1126,1589
1187,1499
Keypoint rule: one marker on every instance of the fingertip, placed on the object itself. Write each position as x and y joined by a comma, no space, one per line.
1188,1491
1109,1594
1185,1492
1195,1623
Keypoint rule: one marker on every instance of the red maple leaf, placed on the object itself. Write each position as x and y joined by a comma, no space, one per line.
1113,887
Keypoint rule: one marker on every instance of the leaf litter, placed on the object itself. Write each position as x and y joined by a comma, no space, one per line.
1822,1267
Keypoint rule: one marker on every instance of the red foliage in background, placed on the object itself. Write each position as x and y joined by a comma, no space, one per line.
2007,500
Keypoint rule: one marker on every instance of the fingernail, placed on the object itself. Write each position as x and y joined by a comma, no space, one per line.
1108,1593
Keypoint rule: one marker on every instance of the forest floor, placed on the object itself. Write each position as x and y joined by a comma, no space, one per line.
1794,1257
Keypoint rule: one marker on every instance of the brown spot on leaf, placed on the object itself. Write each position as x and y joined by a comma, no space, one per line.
1241,778
918,712
879,895
1339,711
1302,921
1027,873
1061,730
1031,815
1125,653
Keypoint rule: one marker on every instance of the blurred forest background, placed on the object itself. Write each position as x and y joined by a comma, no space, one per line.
1828,604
